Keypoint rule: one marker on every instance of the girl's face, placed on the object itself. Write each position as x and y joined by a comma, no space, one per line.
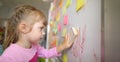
37,32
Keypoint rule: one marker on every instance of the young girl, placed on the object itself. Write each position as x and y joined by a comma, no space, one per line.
25,30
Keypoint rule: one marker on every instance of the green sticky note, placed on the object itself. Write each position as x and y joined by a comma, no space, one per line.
55,30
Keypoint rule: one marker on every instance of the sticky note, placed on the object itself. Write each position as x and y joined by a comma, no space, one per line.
80,4
51,23
64,32
52,7
53,43
65,22
58,17
68,3
63,10
55,30
65,58
60,4
75,30
54,24
59,27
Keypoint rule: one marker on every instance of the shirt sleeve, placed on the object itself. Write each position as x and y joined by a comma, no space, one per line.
47,53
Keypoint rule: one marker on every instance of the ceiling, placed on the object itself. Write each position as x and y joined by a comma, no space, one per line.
6,6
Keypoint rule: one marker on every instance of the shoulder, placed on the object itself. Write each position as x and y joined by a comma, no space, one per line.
18,53
9,54
12,51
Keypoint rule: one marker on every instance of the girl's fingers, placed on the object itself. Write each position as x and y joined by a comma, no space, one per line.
73,40
66,37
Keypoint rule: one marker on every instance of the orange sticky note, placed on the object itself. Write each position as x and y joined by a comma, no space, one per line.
53,43
60,4
65,20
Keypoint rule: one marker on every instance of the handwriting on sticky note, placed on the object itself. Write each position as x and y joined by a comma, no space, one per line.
79,5
65,20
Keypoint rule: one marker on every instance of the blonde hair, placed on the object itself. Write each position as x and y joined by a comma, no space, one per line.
21,13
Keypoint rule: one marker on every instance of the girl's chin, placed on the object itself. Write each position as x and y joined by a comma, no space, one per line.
36,42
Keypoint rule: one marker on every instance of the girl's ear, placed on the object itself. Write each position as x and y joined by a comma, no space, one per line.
24,27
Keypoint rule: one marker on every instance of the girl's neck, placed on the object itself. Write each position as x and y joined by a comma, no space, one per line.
24,44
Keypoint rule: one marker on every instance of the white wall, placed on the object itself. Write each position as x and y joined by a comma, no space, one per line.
112,30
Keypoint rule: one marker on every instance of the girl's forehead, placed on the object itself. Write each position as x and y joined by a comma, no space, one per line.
39,23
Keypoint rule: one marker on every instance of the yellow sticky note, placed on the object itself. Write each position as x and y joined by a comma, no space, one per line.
68,3
58,17
80,4
64,32
51,23
65,57
63,10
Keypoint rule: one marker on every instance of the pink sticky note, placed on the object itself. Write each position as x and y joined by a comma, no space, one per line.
65,20
59,27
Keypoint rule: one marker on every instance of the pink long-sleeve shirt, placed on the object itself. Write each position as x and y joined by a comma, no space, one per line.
16,53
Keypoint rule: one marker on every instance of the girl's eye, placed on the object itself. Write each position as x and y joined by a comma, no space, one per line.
41,28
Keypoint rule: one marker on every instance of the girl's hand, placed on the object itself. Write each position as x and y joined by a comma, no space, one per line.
67,43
